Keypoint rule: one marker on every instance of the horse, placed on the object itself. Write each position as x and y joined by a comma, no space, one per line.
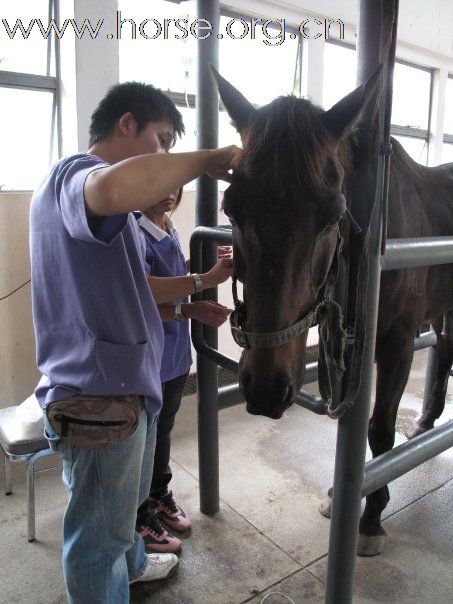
287,207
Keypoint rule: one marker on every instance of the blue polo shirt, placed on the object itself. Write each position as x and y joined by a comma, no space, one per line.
98,330
164,258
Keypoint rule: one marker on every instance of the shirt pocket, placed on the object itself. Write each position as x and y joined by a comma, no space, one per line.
119,367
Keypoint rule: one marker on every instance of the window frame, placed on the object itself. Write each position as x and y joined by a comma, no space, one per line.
448,137
42,83
408,131
181,99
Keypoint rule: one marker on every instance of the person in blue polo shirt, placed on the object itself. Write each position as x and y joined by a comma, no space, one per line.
165,258
97,327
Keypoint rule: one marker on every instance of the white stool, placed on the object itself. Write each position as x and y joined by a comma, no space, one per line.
20,442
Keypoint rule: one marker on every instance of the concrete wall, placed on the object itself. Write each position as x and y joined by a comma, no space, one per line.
18,373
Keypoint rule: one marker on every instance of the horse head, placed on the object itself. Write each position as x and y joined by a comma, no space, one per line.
285,203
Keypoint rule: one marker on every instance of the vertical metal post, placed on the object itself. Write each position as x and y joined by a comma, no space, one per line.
352,428
31,499
207,105
8,476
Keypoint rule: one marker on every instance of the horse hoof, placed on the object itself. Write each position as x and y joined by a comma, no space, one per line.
325,507
415,431
370,545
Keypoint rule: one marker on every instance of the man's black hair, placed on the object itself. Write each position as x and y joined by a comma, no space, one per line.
146,103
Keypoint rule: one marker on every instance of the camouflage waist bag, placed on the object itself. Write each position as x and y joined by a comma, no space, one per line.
95,422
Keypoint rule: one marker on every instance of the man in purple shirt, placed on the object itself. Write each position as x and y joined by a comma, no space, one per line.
97,327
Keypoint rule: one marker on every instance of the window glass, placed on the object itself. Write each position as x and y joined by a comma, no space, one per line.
188,142
227,136
447,153
24,44
149,52
448,123
411,93
260,71
417,148
340,73
25,143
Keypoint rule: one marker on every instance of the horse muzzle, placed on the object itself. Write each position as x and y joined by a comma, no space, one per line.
268,398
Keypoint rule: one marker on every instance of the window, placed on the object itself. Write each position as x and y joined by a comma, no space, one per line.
411,109
411,96
166,61
447,147
340,72
29,94
261,67
171,63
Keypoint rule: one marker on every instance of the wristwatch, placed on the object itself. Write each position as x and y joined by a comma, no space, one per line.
198,283
178,314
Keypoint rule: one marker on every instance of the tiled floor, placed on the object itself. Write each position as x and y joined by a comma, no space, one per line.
268,537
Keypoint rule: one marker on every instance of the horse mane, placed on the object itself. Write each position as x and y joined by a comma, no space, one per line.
288,136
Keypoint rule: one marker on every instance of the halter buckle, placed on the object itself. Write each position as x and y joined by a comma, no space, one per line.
239,337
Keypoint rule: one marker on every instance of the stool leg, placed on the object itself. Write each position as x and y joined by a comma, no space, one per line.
8,479
31,499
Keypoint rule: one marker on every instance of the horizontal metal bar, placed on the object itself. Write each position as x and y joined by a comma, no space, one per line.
217,234
424,340
311,402
29,81
448,138
409,131
400,460
423,251
181,99
229,396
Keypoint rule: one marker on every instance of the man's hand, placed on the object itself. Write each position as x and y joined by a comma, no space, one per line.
208,312
221,161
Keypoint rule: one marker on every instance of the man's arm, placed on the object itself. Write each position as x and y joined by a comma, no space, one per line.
145,180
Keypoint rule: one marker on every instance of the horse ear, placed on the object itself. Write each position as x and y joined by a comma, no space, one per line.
345,113
238,107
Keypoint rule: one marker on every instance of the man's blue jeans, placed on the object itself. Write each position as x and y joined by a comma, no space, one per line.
102,552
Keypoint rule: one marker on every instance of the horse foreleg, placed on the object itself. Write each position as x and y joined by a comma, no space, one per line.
394,357
434,404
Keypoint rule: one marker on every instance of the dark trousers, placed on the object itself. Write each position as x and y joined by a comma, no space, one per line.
172,394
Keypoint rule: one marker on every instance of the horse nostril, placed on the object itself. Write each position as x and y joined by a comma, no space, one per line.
289,395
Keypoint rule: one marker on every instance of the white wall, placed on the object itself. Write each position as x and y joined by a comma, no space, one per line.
18,373
423,24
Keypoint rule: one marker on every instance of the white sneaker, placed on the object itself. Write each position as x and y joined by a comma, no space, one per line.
160,566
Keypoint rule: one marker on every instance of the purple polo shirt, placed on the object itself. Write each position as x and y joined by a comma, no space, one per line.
164,258
98,330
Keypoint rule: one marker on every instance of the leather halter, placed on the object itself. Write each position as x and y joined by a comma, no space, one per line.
248,339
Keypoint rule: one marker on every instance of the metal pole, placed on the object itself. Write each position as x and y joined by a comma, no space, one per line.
400,460
352,429
207,106
422,251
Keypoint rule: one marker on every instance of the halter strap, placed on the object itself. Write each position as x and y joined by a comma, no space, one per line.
249,339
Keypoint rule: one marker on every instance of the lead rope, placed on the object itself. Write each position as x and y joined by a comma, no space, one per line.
357,337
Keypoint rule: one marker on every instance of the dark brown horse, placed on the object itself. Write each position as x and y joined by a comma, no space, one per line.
287,205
